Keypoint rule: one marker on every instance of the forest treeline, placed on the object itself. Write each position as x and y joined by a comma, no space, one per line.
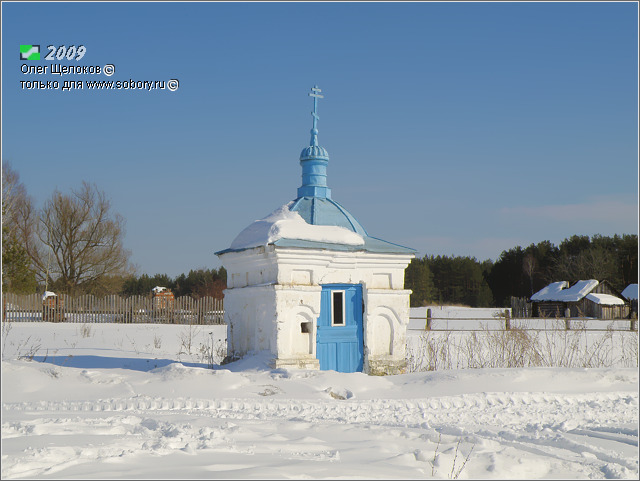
74,244
198,283
520,272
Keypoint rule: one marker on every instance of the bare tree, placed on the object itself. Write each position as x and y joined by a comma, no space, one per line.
13,192
529,265
593,263
78,241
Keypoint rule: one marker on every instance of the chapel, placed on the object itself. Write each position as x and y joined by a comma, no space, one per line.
308,284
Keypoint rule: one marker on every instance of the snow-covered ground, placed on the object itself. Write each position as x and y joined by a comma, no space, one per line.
140,401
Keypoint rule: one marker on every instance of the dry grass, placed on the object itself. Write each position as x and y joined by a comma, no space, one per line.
86,330
210,352
520,347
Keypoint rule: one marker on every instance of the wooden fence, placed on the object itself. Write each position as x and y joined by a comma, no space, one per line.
135,309
504,321
521,308
533,324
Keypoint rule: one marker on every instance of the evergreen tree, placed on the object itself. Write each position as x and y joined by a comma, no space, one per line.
419,279
198,283
458,280
202,282
142,285
507,277
18,275
626,259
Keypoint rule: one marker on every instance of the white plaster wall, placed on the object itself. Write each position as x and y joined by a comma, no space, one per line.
297,305
251,267
385,324
316,267
273,290
249,313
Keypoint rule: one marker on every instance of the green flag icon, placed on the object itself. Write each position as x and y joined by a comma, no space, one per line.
29,52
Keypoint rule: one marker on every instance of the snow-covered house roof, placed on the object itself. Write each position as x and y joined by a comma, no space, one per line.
561,292
549,292
48,294
631,292
605,299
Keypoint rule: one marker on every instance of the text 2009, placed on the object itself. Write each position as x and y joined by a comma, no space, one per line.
62,52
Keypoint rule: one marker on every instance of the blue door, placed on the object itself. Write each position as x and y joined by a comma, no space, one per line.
339,339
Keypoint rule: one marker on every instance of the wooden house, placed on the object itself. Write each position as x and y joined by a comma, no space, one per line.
584,298
52,307
163,298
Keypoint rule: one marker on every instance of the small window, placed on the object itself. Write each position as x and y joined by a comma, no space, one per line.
337,308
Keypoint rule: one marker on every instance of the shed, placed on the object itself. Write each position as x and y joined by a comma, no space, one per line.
584,298
52,307
308,284
163,298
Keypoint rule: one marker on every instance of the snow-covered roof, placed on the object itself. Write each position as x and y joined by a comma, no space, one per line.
286,224
549,291
313,220
560,292
631,291
158,289
311,223
48,294
605,299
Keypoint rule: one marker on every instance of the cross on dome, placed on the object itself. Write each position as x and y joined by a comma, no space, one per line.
314,158
315,93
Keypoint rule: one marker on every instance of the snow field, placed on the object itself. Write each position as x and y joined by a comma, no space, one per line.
112,401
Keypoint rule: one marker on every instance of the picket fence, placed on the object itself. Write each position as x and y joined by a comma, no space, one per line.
134,309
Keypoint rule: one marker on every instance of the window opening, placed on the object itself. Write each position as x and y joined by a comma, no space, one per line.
337,308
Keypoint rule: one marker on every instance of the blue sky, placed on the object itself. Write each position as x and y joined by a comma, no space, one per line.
452,128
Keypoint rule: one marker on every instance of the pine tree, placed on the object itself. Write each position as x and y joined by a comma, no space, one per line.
18,275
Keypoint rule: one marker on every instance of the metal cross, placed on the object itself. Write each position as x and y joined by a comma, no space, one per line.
315,93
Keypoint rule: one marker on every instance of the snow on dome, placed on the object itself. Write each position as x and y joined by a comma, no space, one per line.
558,292
605,299
158,289
282,223
49,294
631,291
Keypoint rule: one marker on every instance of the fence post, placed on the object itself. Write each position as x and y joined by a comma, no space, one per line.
427,327
634,322
517,307
507,320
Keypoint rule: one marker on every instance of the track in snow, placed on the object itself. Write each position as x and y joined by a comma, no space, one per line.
565,429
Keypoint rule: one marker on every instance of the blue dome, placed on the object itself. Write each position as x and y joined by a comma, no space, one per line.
324,211
315,206
314,152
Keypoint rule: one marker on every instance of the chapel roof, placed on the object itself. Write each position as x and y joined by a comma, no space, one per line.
314,204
